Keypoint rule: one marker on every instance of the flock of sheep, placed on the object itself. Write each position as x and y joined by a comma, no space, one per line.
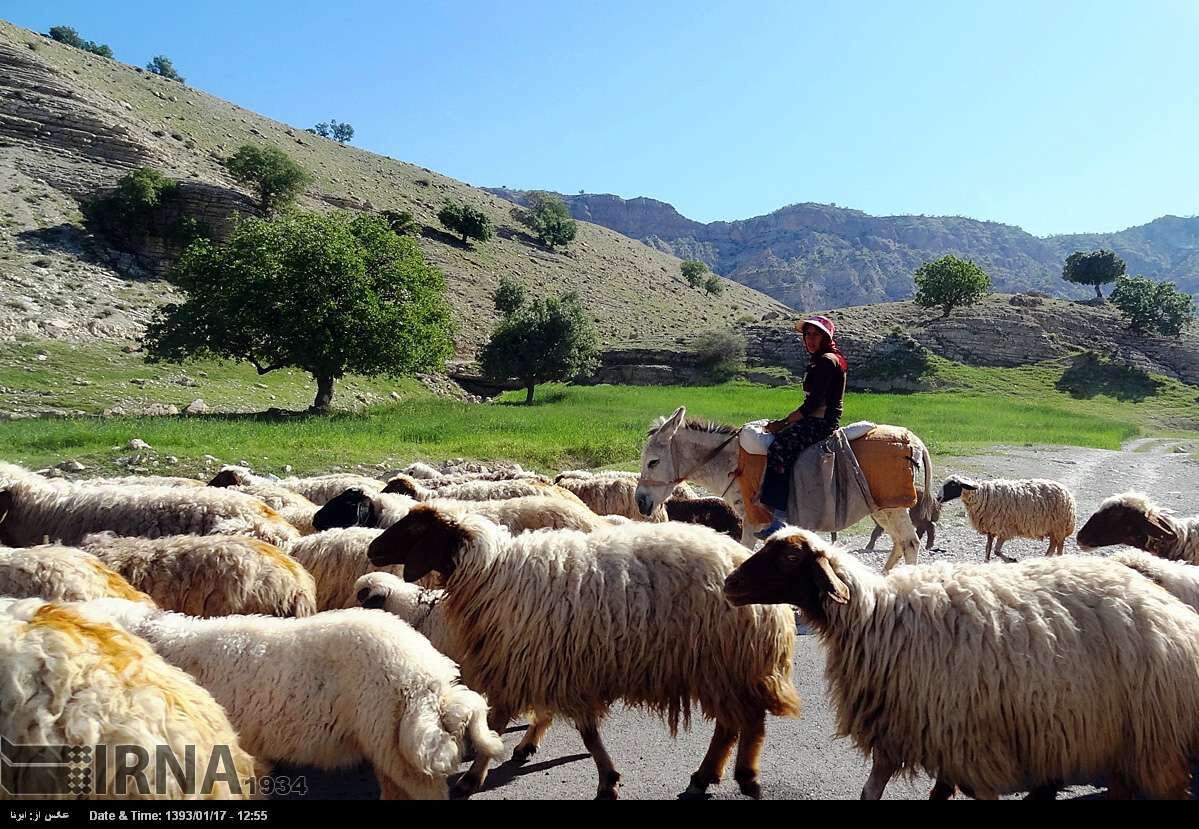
336,619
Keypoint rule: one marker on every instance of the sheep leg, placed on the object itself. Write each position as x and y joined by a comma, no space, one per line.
472,781
942,790
609,777
874,536
712,767
932,534
389,789
881,772
990,541
749,747
527,747
999,552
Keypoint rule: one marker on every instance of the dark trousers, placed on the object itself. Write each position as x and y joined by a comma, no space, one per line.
788,444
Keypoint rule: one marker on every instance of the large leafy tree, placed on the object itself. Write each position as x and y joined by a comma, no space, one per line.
1096,267
549,217
542,340
469,222
1153,307
950,283
271,172
325,294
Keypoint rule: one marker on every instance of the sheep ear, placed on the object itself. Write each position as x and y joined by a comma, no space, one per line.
366,513
968,485
5,504
1160,530
834,588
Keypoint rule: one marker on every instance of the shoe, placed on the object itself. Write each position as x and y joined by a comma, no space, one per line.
769,530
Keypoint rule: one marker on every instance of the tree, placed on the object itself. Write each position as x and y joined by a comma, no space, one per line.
713,285
332,129
1153,307
401,222
950,283
509,296
461,218
67,35
161,65
326,294
1096,267
543,340
276,177
693,271
549,217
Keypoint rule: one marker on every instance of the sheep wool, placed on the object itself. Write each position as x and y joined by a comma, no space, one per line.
1176,577
336,559
65,680
214,575
1003,509
57,573
331,690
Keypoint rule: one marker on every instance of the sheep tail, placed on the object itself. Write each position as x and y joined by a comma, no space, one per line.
485,741
433,728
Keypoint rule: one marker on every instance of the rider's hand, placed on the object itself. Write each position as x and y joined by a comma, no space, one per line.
775,426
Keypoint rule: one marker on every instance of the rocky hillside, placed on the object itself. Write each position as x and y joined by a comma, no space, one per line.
72,123
818,255
889,344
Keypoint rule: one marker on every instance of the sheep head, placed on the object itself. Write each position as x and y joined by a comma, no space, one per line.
226,478
792,568
425,540
1129,519
954,486
353,508
403,485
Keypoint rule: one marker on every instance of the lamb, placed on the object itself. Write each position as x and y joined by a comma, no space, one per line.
357,508
331,690
566,623
1003,509
212,575
923,519
317,489
710,511
612,493
65,680
32,509
996,680
336,559
55,573
478,490
1134,520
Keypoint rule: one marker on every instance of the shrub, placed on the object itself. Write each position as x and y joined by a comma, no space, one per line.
67,35
950,282
719,354
142,204
161,65
509,296
401,222
334,130
271,172
549,218
693,271
1153,307
469,222
713,285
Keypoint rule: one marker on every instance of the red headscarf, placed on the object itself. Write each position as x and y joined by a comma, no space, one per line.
826,325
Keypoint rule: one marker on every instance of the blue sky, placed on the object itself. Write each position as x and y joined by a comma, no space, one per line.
1056,116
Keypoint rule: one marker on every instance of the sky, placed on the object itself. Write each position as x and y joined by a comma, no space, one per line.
1059,116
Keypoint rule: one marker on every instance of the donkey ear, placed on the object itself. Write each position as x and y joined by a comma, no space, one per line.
674,422
833,587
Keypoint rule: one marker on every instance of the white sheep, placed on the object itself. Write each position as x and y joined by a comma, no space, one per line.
1003,509
57,573
1135,520
336,559
536,512
420,470
613,492
318,488
142,480
1176,577
478,490
65,680
400,479
996,680
209,575
293,507
330,690
33,509
567,623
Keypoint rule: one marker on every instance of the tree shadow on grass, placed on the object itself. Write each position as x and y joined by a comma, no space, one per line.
539,399
513,234
445,238
1090,375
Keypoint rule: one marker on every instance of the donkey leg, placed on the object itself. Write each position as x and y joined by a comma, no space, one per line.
874,536
904,543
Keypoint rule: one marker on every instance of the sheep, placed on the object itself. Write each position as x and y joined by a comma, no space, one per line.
142,480
710,511
478,490
566,623
1003,509
357,508
55,573
612,493
399,480
293,507
317,489
420,470
32,509
330,690
996,680
65,680
1176,577
336,559
923,519
212,575
1134,520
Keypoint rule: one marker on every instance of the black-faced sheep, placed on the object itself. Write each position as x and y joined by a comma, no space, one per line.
1003,509
567,623
996,680
1134,520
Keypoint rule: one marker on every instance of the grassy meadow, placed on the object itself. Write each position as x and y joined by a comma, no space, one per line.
566,427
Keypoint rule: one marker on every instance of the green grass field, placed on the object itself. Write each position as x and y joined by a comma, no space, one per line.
594,426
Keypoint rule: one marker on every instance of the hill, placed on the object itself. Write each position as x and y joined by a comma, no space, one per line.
72,123
822,256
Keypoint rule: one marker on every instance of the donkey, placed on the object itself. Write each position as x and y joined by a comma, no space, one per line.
706,453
